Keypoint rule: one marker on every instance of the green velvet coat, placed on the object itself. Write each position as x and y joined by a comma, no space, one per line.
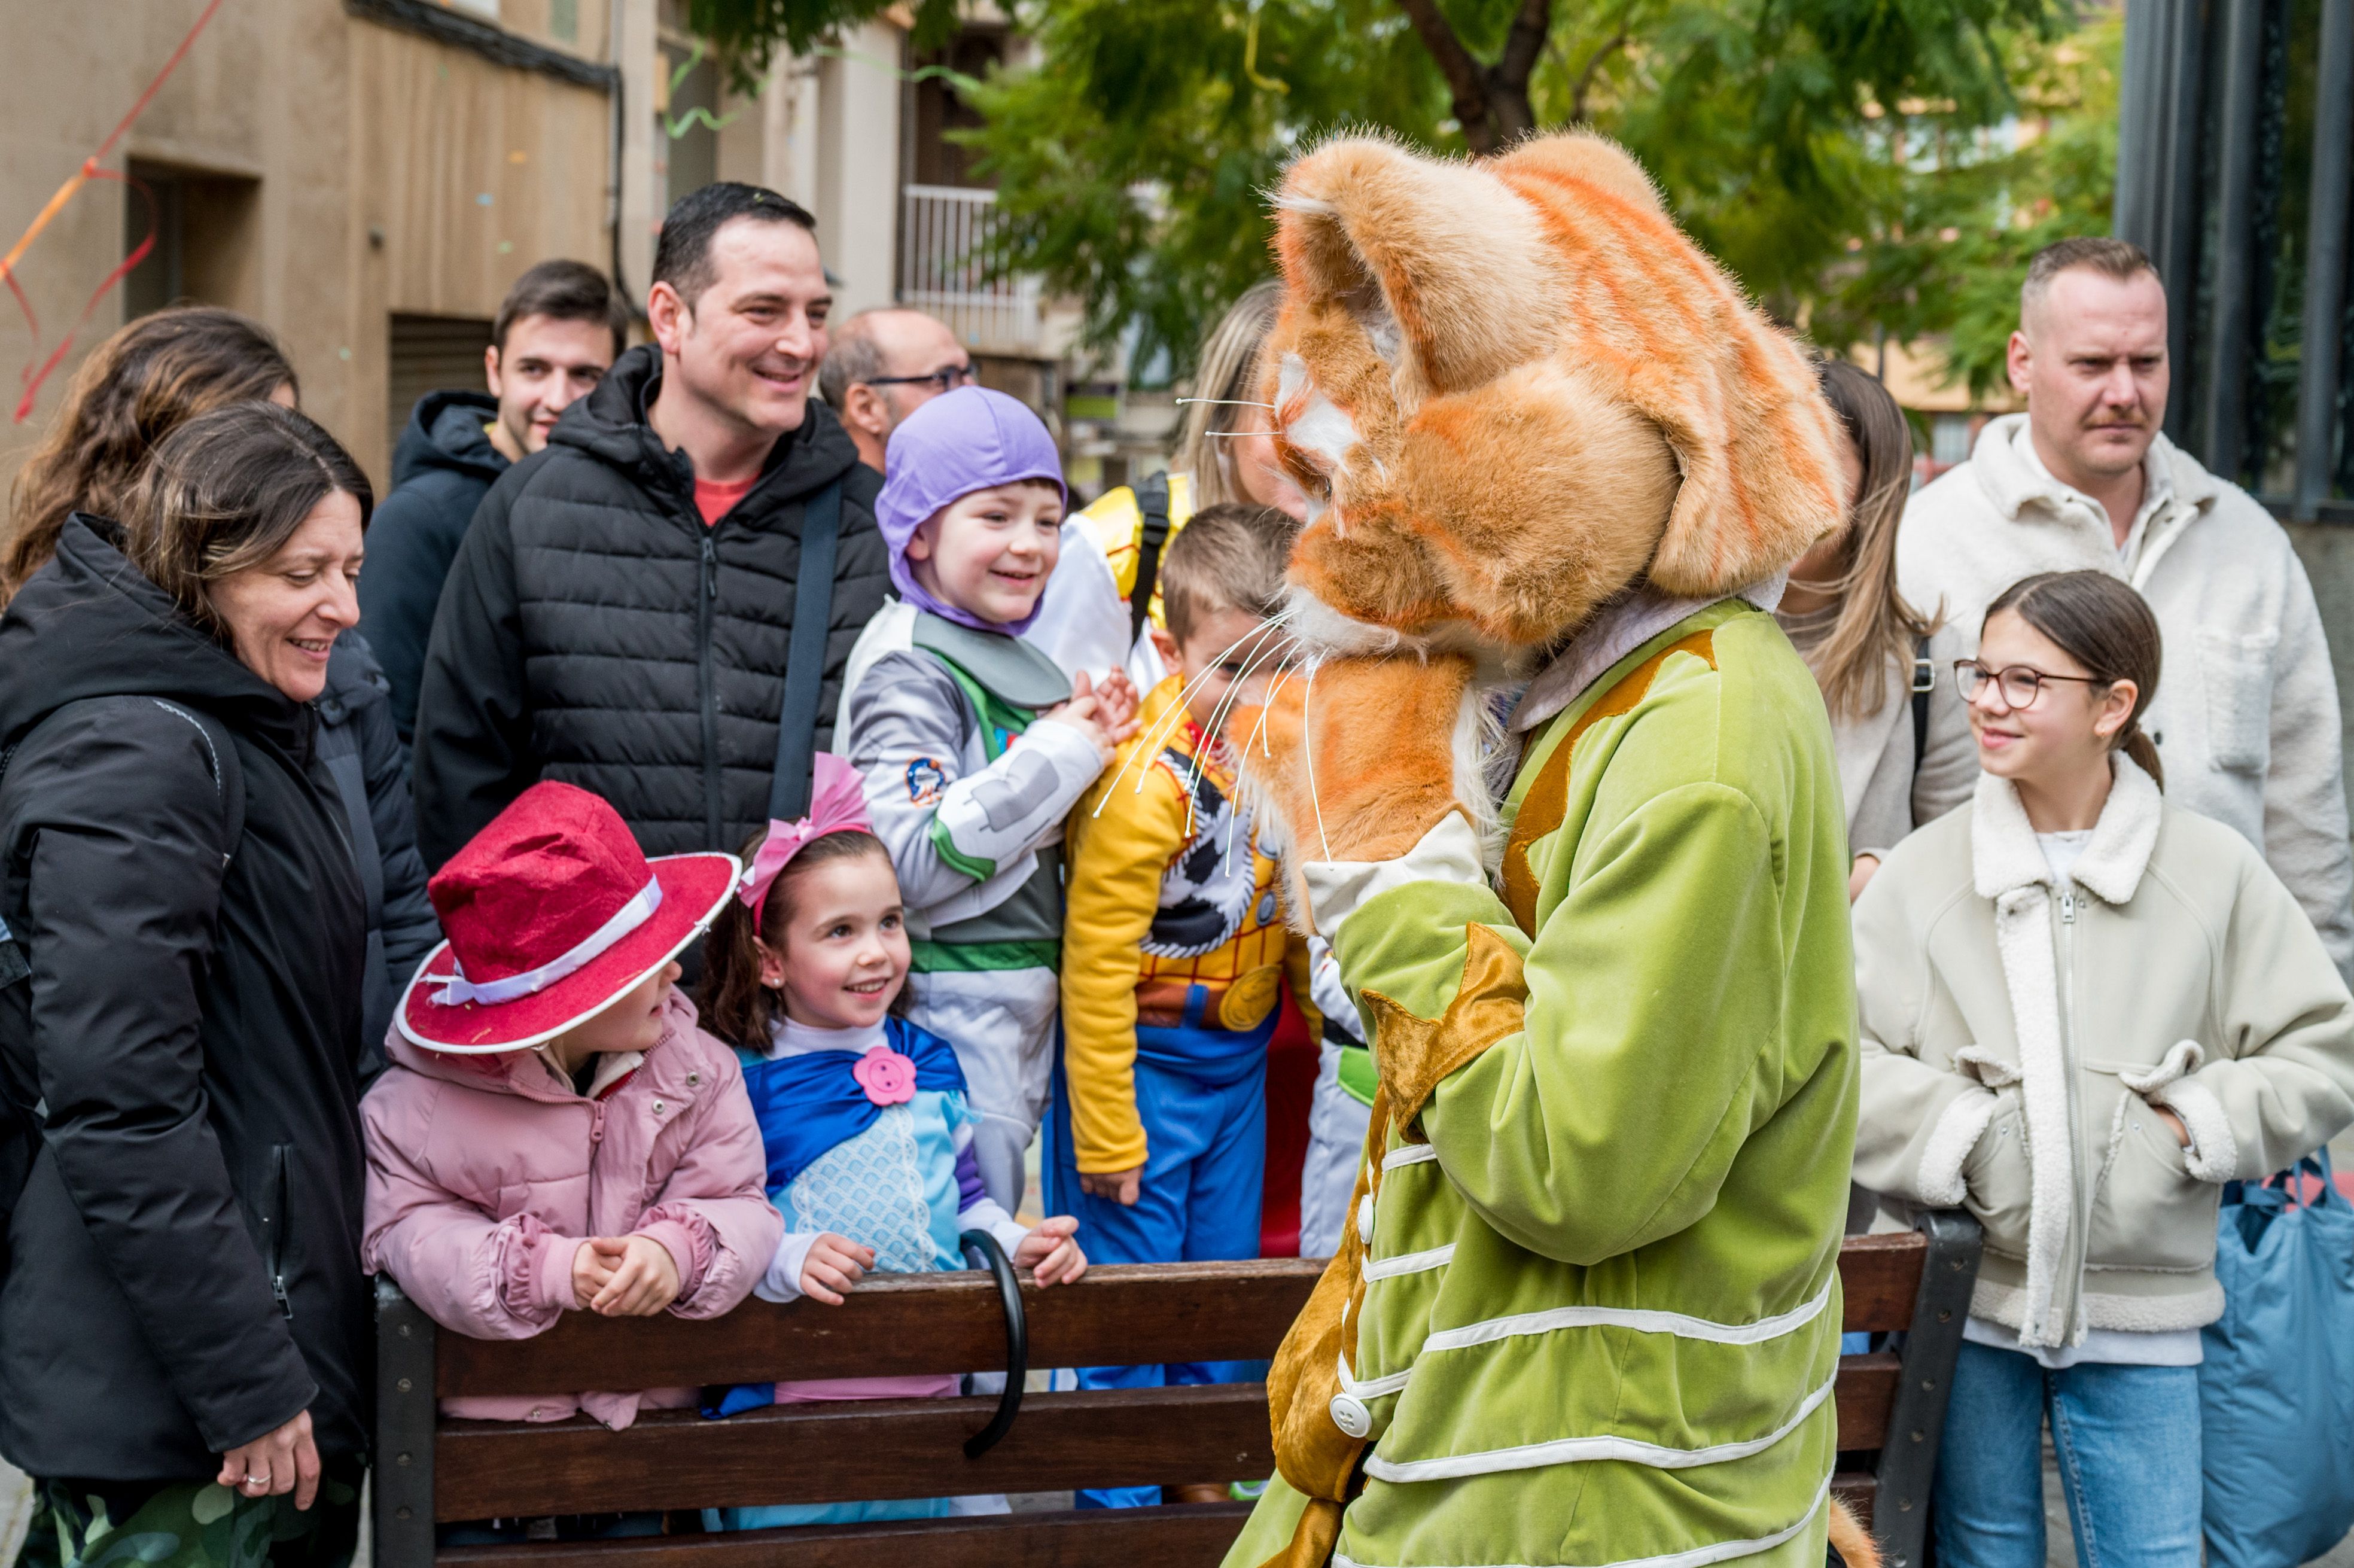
1602,1311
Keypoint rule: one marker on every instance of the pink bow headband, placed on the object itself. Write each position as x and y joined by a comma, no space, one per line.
837,804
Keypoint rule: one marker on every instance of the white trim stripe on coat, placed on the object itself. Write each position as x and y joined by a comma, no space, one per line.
1585,1450
1642,1320
1408,1262
1696,1557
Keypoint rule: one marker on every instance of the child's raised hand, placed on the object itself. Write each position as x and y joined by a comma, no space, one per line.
640,1279
1052,1254
1115,694
834,1265
1084,712
1121,1187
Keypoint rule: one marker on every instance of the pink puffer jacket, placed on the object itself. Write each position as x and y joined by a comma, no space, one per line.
486,1173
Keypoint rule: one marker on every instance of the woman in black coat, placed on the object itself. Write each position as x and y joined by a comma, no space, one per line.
183,1326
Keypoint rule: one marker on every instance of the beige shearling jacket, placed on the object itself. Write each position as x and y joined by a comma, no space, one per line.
2016,1035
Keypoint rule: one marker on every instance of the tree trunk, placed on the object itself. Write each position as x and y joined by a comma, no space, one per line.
1490,101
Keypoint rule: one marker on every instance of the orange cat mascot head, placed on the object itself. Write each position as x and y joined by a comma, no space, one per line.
1513,387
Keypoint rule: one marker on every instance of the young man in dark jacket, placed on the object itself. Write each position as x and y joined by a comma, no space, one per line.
620,614
558,331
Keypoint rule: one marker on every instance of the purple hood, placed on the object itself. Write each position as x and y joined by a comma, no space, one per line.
961,442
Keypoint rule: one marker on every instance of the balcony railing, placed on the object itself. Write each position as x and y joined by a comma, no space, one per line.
945,233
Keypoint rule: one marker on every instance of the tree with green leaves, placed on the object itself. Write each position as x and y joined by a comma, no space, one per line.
1134,154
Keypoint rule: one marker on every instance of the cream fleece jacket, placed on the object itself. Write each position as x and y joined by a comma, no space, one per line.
2016,1034
2245,717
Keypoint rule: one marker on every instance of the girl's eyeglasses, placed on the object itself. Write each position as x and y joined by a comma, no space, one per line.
2020,684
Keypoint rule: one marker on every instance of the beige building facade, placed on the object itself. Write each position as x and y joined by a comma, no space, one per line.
367,177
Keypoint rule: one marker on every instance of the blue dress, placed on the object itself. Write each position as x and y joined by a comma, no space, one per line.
885,1176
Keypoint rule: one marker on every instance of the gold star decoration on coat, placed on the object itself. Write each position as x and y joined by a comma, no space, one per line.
1415,1054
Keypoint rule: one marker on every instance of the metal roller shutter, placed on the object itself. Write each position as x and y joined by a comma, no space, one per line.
428,355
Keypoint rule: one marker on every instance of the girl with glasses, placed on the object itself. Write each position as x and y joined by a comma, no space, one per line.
2084,1010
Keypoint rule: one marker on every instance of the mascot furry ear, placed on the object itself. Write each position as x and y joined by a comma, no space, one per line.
1511,388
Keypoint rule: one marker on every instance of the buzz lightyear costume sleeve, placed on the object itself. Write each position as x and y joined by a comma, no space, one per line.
952,820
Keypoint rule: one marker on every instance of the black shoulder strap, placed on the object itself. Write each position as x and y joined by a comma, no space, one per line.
789,787
1924,679
1152,502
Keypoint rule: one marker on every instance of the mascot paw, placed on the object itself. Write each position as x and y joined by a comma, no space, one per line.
1356,759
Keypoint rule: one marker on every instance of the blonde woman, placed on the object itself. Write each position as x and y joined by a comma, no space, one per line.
1225,453
1885,667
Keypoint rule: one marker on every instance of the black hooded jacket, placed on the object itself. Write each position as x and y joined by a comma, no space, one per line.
370,768
443,467
183,1264
595,630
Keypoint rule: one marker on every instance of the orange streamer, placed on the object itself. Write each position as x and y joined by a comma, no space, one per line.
89,171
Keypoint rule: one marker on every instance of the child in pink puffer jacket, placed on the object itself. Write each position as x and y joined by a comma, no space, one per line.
554,1132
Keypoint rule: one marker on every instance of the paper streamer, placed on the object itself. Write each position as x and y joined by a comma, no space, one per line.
33,377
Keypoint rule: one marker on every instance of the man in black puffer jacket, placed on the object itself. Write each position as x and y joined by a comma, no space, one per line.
620,614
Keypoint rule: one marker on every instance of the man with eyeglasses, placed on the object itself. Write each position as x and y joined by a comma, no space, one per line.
884,365
2246,714
887,363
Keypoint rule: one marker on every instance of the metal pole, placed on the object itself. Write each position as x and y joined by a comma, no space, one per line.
2175,123
2141,164
2324,261
2227,331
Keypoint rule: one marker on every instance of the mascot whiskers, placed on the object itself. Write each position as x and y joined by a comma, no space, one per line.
1557,466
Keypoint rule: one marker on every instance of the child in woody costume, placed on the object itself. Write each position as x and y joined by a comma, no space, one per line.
1175,957
974,745
1587,1310
865,1117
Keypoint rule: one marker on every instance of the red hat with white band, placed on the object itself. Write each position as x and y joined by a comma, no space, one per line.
553,914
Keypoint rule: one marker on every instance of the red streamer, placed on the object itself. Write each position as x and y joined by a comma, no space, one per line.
89,171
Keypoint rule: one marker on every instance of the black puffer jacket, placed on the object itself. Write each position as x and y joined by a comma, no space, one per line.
593,630
182,1268
364,756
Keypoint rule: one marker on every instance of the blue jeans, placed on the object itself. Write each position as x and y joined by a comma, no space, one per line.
2127,1441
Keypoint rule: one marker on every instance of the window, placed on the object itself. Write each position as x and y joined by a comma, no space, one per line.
205,231
432,353
1949,440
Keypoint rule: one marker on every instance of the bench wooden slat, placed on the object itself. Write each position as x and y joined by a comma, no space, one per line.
893,1325
878,1448
951,1322
1866,1388
1134,1538
1879,1277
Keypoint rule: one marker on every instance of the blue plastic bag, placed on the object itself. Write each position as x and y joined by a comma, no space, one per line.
2277,1391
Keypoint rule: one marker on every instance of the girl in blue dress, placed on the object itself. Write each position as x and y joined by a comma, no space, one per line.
865,1117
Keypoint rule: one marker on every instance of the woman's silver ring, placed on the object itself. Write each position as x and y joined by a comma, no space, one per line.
256,1480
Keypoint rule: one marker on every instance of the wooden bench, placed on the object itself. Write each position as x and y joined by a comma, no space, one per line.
429,1468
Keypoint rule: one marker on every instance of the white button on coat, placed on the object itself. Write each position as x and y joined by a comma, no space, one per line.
1350,1415
1365,1219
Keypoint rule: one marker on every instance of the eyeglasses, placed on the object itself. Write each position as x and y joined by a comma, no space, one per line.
947,378
2020,684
